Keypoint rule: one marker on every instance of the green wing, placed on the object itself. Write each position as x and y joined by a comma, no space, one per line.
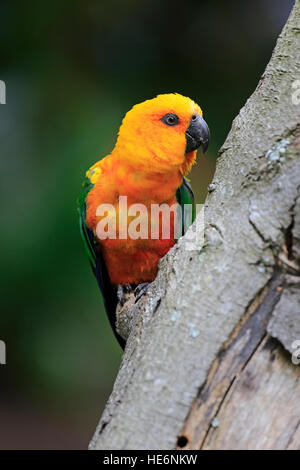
86,235
93,251
185,197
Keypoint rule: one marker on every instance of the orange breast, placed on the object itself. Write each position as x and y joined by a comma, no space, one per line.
132,260
132,264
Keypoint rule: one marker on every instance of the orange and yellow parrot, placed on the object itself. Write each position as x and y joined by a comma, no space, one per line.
155,149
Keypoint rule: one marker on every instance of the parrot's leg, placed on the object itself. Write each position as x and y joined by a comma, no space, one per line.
140,290
122,291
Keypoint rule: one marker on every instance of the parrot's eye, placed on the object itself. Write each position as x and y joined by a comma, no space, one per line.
170,119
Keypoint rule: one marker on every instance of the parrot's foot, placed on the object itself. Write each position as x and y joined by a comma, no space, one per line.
122,293
140,290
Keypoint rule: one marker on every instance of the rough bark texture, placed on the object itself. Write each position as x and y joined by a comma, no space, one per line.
206,363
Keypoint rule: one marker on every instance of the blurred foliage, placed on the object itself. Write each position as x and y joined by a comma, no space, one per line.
72,69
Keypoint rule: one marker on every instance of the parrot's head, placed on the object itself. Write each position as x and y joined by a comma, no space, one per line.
163,134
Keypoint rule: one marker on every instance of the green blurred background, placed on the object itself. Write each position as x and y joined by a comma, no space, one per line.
72,69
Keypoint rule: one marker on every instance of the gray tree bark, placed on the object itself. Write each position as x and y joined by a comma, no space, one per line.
207,363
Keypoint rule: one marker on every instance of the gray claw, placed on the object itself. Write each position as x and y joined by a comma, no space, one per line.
140,290
122,291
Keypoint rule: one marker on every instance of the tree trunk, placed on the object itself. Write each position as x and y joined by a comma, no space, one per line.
208,361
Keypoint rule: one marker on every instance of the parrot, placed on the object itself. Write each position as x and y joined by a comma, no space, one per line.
155,149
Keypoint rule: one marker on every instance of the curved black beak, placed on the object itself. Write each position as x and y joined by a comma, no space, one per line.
197,134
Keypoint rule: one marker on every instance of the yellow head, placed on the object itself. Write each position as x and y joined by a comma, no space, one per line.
162,134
